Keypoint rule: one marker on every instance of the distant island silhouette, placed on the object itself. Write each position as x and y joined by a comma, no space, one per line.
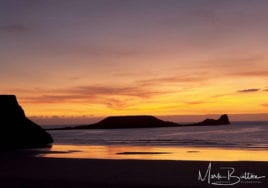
17,131
123,122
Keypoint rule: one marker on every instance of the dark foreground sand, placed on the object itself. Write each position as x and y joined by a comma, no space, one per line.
26,171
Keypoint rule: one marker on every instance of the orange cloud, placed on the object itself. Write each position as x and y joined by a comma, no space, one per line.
115,97
249,90
195,102
112,96
252,73
183,78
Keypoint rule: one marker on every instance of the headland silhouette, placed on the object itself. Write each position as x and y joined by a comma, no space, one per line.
17,131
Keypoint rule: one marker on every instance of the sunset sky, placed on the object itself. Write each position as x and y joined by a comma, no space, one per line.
116,57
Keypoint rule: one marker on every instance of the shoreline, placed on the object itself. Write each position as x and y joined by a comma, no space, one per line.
35,168
28,171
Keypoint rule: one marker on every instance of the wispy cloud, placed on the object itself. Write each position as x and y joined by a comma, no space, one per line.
111,96
100,51
194,102
252,90
222,95
116,96
116,103
95,90
189,78
259,73
14,28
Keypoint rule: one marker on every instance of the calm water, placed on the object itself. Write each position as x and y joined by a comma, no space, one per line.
236,135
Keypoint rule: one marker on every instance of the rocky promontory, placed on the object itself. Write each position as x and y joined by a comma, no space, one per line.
16,130
223,120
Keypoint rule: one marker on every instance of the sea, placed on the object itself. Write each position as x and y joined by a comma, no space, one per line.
238,135
240,141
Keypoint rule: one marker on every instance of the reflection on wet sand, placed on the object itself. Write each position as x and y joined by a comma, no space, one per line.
156,153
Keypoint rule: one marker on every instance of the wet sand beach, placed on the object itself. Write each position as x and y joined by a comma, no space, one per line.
30,169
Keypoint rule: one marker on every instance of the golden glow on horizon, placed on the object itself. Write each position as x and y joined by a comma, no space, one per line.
203,100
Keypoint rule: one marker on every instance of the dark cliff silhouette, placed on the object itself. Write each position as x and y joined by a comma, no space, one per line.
16,130
121,122
223,120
